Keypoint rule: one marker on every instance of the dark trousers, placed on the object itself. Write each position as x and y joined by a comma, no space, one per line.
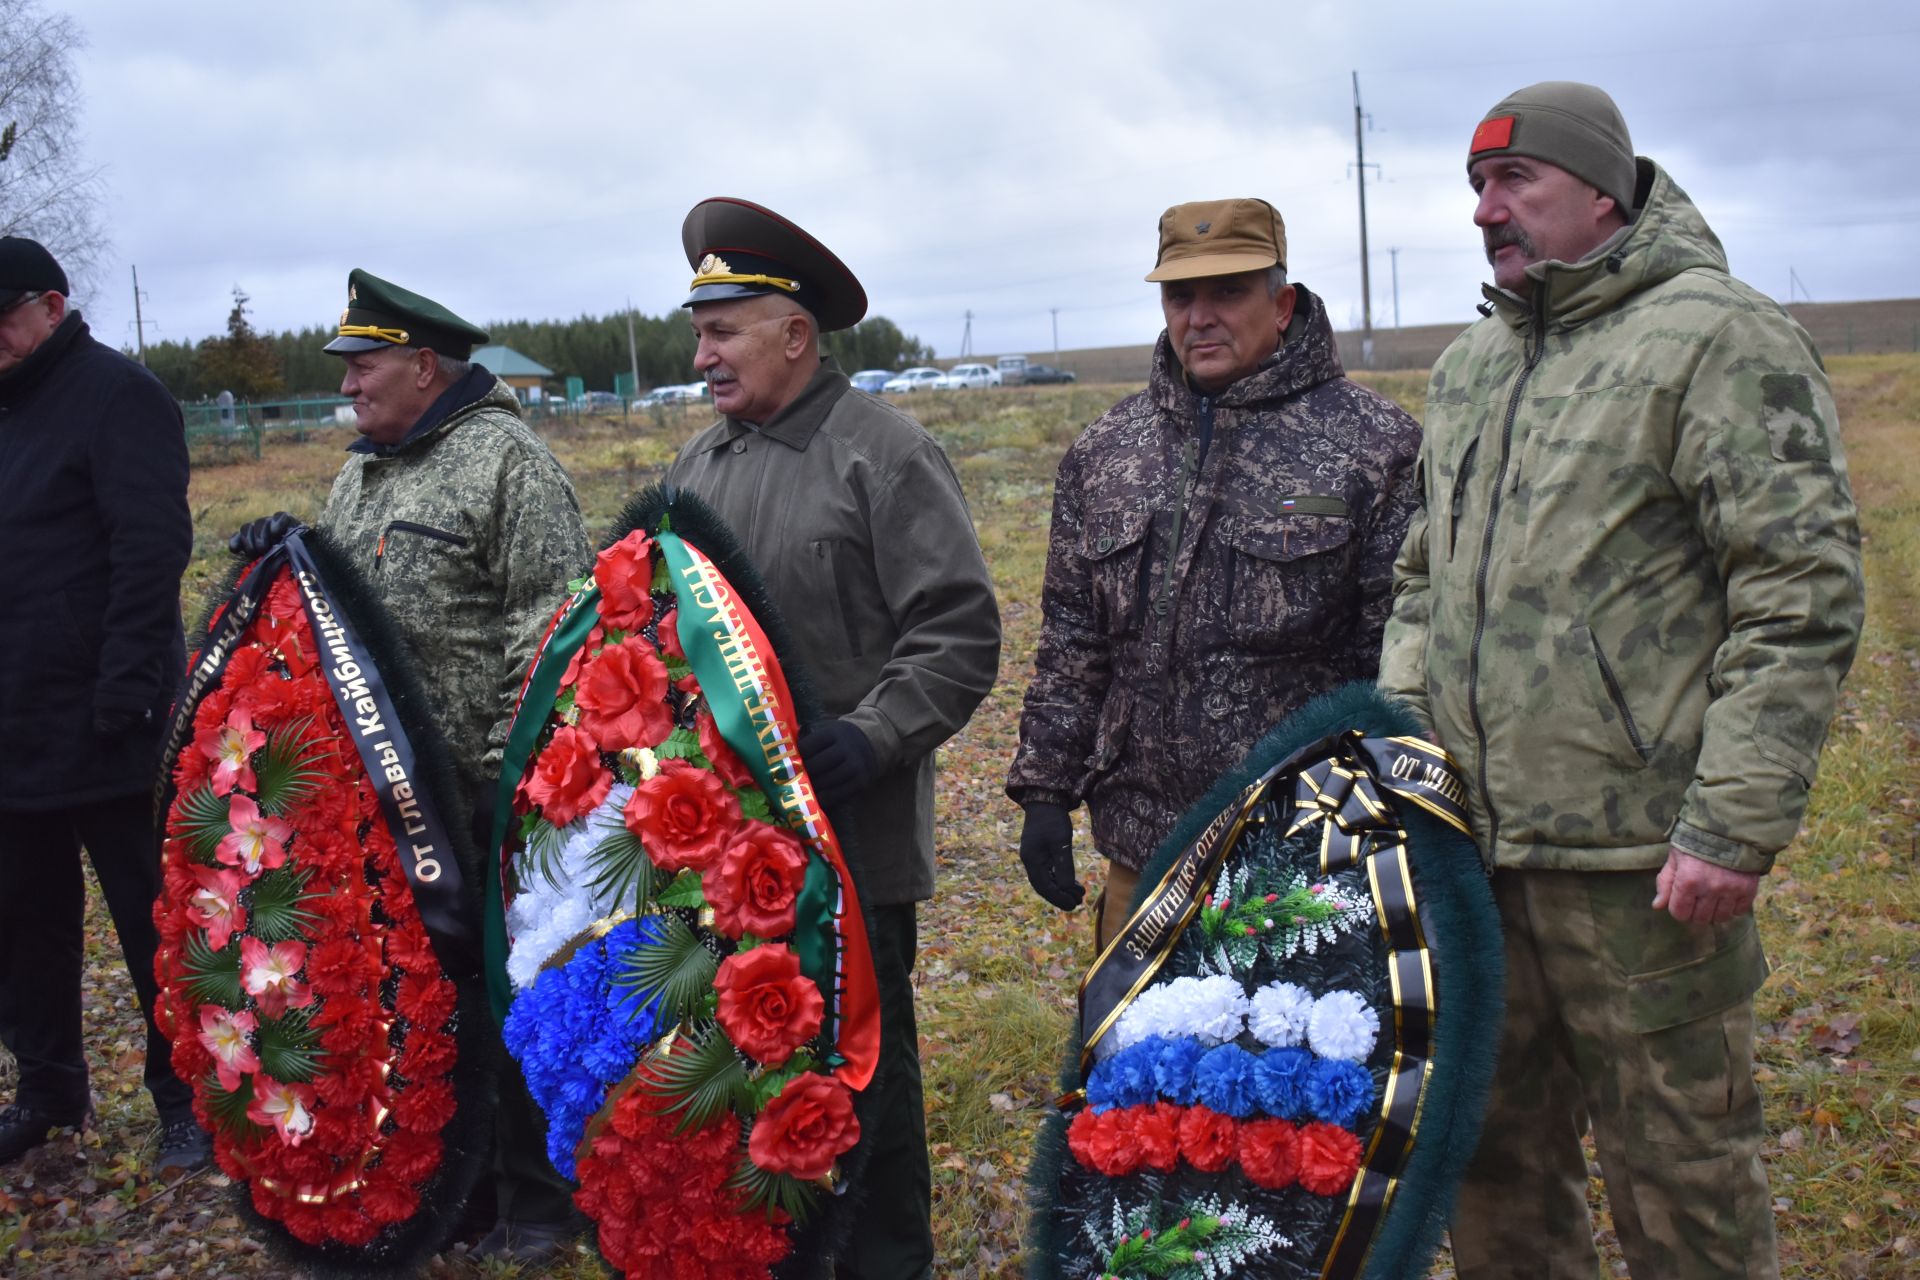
894,1237
42,935
526,1186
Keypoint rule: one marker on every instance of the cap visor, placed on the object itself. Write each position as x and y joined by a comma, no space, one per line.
727,293
1212,264
347,346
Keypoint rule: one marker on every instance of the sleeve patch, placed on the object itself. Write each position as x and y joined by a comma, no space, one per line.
1793,422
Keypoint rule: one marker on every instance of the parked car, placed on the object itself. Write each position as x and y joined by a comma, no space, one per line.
1040,373
671,393
1013,370
602,400
968,377
916,379
872,380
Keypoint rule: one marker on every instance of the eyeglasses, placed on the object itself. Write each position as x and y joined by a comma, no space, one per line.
20,302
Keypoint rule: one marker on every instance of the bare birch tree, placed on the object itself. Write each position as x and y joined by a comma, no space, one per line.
47,191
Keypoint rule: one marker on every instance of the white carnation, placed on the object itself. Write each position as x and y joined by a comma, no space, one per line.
1213,1009
545,916
1342,1025
1278,1014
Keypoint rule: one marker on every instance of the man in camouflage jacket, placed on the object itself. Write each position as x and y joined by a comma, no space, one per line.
1221,552
1625,608
467,530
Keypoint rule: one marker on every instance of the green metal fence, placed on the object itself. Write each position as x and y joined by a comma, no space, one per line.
244,424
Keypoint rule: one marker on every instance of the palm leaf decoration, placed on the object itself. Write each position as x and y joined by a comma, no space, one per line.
288,770
623,874
204,823
544,842
289,1047
770,1191
277,910
228,1110
213,977
699,1077
677,971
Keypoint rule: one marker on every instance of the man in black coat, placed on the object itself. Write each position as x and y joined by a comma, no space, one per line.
94,537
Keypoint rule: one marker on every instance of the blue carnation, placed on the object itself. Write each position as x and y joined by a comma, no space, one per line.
1173,1068
1339,1092
1124,1079
1280,1081
1224,1079
576,1034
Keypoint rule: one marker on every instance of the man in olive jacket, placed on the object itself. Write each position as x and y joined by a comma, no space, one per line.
1625,609
94,535
1221,552
856,521
467,530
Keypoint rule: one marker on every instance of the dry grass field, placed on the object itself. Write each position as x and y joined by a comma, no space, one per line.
1841,1040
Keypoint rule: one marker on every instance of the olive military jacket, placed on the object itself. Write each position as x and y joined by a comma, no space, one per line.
1634,586
1191,602
857,524
468,532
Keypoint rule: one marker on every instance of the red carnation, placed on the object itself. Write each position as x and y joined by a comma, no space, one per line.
805,1128
1155,1130
726,762
1206,1139
684,816
621,696
753,887
569,780
1099,1142
767,1007
1270,1153
624,572
1329,1157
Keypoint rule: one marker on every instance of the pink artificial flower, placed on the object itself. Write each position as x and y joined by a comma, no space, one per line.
256,841
287,1107
232,753
227,1036
215,905
271,975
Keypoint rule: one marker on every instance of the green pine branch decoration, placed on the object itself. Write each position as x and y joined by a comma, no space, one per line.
213,977
677,971
622,873
288,770
770,1191
700,1080
277,911
204,823
289,1046
229,1110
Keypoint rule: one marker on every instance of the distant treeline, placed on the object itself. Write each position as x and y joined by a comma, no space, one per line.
593,348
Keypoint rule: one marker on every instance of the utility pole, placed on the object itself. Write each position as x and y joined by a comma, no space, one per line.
1056,335
1360,171
1395,254
966,337
139,326
633,352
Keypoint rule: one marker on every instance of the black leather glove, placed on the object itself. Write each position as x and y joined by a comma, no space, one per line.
112,723
839,759
257,537
1046,850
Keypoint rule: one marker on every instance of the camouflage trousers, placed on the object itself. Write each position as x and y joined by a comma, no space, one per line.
1622,1019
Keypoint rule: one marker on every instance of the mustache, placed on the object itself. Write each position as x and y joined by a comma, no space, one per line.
1499,237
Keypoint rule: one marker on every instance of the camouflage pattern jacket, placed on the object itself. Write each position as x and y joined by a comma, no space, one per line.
467,531
1634,586
1190,603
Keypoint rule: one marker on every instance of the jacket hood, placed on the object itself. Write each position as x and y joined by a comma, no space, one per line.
1306,359
1668,236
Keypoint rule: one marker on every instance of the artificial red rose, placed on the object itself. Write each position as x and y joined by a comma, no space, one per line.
624,573
568,780
669,633
1155,1130
754,885
622,694
1270,1153
684,815
808,1125
1099,1141
595,638
726,762
1329,1157
767,1007
1206,1139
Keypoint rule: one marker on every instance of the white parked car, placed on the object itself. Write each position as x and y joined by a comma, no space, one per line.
918,379
967,377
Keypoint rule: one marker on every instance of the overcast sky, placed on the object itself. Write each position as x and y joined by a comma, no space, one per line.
534,160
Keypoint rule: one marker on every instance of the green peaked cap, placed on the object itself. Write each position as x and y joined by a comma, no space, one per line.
381,314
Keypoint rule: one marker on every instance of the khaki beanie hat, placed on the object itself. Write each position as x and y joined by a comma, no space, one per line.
1574,126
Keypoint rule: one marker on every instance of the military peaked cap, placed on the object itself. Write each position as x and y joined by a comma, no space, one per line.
739,249
382,314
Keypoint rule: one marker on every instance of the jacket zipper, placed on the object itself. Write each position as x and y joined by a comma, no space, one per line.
1619,699
408,526
1185,487
1536,342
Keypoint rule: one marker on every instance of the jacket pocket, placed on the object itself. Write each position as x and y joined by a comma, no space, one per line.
828,554
1109,736
1288,580
1610,696
419,557
1114,543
